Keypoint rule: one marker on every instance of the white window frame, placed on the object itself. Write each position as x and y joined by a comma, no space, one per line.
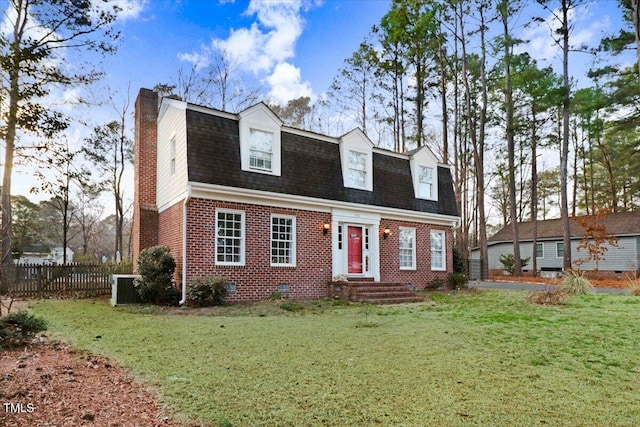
292,241
260,118
443,250
423,186
364,171
241,238
542,246
401,248
261,153
560,243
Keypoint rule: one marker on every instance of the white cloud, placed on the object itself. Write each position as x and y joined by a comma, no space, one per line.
198,59
264,47
540,38
286,85
130,9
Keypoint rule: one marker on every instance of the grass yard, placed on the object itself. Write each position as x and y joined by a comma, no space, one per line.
472,358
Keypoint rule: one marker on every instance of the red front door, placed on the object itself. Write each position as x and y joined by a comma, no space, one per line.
354,250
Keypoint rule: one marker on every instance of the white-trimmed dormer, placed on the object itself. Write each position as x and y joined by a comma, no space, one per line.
260,140
424,173
356,157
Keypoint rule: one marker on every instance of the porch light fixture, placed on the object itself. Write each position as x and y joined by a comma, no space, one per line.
386,233
325,228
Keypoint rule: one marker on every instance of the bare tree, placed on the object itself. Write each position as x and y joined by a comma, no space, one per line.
31,66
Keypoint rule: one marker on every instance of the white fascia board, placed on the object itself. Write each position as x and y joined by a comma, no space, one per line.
266,198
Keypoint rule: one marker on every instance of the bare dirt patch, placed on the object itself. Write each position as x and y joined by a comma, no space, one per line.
49,384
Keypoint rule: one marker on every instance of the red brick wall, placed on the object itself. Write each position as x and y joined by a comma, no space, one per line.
145,212
390,261
257,279
170,234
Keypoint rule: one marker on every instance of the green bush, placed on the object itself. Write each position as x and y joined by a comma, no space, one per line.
574,283
17,328
457,281
436,283
156,266
508,262
207,291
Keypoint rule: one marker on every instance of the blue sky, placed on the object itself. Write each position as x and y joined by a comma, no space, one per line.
292,47
298,46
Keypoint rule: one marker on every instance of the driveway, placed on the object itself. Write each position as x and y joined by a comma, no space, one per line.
487,284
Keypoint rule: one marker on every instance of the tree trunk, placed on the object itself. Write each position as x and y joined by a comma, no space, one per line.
564,150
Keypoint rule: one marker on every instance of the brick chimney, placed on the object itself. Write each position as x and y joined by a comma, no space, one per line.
145,211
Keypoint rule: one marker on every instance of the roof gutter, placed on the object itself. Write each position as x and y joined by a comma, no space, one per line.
184,245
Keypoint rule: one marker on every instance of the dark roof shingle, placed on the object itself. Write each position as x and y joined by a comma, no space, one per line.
624,223
310,167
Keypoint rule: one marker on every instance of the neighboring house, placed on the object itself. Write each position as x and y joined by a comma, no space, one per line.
276,208
42,254
621,260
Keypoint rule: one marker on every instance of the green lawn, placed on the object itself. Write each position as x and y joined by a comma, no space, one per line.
473,358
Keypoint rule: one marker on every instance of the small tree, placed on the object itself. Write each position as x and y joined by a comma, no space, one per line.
595,240
156,266
508,262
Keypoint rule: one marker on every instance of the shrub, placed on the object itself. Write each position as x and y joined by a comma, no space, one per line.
207,291
275,296
634,285
458,261
17,328
508,262
436,283
457,281
574,283
548,297
156,266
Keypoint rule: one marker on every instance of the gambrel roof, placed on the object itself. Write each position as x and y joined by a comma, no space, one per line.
311,167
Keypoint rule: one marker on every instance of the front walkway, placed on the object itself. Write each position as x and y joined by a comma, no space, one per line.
487,284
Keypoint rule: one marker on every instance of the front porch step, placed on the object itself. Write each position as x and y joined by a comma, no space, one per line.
381,293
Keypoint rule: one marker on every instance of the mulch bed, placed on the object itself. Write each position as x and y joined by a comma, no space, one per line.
49,384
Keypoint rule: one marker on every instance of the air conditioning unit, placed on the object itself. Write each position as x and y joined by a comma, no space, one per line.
123,291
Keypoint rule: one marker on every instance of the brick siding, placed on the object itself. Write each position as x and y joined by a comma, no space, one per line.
423,275
257,279
170,235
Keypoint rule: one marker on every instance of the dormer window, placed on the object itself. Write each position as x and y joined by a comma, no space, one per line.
424,173
356,157
357,169
260,150
260,140
425,182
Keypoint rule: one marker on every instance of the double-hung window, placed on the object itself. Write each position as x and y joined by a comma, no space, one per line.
559,249
358,169
283,240
260,150
407,248
230,237
425,182
539,250
438,252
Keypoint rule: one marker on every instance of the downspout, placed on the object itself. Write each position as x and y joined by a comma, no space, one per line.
184,245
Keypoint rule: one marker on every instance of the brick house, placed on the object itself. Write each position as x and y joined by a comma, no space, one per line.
276,208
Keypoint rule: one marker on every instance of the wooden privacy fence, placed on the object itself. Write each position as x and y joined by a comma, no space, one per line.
33,280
